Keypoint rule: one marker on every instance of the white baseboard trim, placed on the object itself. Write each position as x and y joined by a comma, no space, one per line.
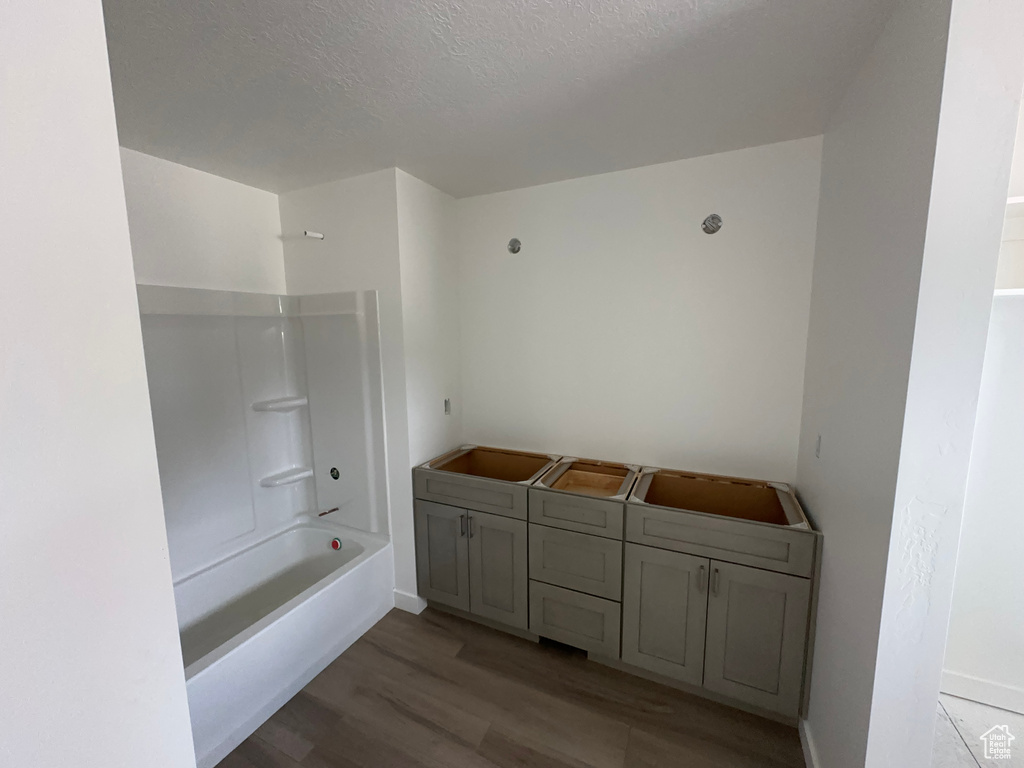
410,603
986,691
807,742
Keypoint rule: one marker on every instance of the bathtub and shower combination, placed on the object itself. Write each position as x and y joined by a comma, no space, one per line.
268,417
258,626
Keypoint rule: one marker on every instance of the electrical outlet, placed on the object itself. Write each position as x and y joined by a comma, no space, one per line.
447,406
817,448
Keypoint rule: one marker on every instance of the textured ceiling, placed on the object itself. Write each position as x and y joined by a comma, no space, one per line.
473,96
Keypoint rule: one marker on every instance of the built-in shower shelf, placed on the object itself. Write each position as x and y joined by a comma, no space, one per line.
280,404
287,477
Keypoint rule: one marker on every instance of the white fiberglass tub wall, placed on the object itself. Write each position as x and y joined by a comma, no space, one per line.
267,410
205,370
233,457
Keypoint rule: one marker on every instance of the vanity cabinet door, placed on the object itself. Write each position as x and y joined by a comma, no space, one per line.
442,553
756,636
664,610
498,581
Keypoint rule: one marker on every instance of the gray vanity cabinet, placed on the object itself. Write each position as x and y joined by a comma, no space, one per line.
756,636
473,561
498,581
704,581
664,612
442,553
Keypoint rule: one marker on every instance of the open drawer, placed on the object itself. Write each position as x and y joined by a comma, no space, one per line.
750,522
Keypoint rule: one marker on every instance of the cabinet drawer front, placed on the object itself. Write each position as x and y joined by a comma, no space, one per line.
495,496
577,561
442,554
762,546
583,621
600,517
664,612
756,636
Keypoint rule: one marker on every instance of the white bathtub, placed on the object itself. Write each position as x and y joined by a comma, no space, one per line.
259,625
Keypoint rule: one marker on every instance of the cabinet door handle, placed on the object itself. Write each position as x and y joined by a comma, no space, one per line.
702,573
714,581
462,525
471,526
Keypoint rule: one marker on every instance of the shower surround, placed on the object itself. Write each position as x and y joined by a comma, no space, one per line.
268,416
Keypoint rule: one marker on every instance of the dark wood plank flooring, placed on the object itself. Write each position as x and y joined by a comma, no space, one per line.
441,692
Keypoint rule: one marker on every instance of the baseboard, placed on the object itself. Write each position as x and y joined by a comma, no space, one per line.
413,604
986,691
807,742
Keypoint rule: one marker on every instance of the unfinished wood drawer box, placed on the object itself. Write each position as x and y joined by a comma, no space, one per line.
583,495
731,519
484,479
577,561
583,621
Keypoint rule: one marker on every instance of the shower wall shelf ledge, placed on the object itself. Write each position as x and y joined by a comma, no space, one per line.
287,477
281,404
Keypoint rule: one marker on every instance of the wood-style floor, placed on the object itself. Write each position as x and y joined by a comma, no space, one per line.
435,690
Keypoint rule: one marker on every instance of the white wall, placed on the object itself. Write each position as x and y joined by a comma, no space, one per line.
984,75
984,660
91,673
902,278
1010,273
430,314
430,281
621,331
876,180
360,251
195,230
1016,188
